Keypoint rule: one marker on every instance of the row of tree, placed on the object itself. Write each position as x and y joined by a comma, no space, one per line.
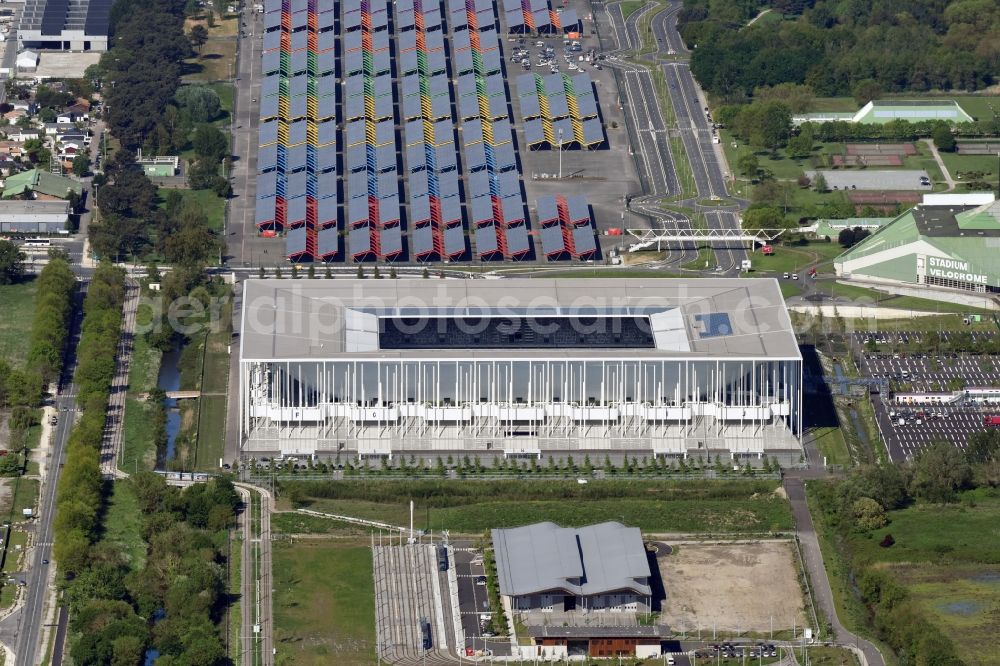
22,386
843,48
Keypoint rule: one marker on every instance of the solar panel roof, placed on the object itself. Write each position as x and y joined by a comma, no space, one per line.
459,21
501,131
517,240
267,132
297,185
326,62
451,210
497,106
434,39
297,107
267,157
408,44
417,184
472,132
577,208
385,157
326,157
486,239
357,210
454,240
325,20
295,212
480,184
510,5
326,41
445,157
558,106
295,158
553,84
413,131
391,240
384,133
267,184
351,22
272,41
295,241
586,106
300,40
552,238
481,209
460,40
326,132
513,208
404,20
564,125
388,184
593,133
530,106
269,107
504,157
328,242
383,107
568,20
435,62
380,40
326,189
360,240
351,40
548,209
272,6
357,157
422,240
270,62
508,183
269,85
488,39
515,19
326,208
448,184
416,156
475,156
583,239
265,210
297,132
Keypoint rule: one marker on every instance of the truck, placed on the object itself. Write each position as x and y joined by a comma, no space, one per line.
991,421
425,633
442,555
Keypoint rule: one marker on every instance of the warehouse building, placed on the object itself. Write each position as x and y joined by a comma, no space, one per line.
561,570
59,25
519,368
33,217
948,241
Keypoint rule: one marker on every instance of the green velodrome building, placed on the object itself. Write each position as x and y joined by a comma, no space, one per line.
950,241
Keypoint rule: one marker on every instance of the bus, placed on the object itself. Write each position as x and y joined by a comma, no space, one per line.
39,243
442,553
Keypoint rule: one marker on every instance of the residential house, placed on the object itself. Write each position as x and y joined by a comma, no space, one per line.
13,116
24,134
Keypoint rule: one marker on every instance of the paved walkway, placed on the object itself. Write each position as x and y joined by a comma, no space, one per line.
820,582
940,162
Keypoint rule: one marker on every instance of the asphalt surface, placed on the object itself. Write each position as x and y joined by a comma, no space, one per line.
813,559
20,630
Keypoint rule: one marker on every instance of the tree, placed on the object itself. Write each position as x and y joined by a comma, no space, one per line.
201,102
800,146
868,514
764,217
209,142
983,446
81,165
846,237
198,36
819,183
866,90
939,472
943,138
11,262
748,164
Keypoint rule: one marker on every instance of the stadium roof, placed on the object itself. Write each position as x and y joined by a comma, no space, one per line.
704,318
597,559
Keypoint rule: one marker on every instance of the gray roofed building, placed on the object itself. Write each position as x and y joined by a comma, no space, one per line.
582,562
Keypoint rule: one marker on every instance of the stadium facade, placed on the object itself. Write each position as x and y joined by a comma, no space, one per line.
949,241
520,367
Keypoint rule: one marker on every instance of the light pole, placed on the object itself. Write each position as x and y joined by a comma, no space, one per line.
560,152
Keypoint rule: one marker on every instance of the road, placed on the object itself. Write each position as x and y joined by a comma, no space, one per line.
244,247
20,630
255,579
111,442
820,582
704,156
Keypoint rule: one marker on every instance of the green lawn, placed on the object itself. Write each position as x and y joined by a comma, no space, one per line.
324,603
831,656
702,261
17,305
288,522
215,61
138,435
225,93
978,106
832,445
834,105
928,323
959,164
211,432
474,506
629,7
873,296
25,497
213,206
123,524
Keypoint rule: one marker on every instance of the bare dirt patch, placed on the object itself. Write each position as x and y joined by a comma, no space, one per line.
732,587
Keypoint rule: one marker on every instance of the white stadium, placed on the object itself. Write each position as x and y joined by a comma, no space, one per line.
520,367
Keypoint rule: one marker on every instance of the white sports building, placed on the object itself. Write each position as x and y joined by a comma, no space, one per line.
519,367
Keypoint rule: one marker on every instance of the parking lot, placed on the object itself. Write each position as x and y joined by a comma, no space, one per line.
934,396
474,605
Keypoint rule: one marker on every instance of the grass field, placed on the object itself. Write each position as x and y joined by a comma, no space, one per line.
17,303
788,258
959,164
475,506
213,206
832,445
25,497
978,106
123,524
873,297
324,603
138,435
289,522
212,414
834,105
831,656
630,7
928,323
